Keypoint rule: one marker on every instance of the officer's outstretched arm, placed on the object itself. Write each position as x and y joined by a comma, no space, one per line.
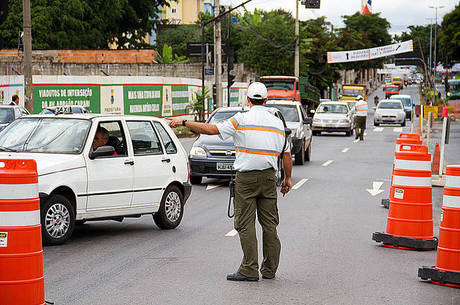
201,128
287,165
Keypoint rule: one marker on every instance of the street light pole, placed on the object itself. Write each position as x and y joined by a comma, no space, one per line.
431,43
218,55
297,42
27,23
435,47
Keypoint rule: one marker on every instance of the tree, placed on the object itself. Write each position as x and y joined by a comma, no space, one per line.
449,38
84,24
178,37
420,35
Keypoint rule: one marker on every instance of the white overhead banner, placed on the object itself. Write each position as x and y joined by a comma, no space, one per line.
369,54
393,71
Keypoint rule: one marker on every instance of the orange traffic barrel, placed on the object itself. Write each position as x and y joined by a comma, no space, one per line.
410,135
447,270
406,140
21,253
403,147
410,219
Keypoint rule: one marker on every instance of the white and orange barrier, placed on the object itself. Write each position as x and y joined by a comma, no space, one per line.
21,254
447,270
410,219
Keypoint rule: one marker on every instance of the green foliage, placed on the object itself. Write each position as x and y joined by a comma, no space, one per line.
178,37
83,24
168,58
200,99
421,36
449,37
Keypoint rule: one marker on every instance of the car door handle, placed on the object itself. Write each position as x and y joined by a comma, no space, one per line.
129,162
167,160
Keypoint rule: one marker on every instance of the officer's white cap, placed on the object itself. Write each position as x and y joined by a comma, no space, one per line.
257,90
359,97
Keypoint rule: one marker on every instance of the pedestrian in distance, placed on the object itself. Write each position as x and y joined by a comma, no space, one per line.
14,100
360,117
259,138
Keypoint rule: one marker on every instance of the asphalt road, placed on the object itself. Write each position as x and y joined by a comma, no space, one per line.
328,256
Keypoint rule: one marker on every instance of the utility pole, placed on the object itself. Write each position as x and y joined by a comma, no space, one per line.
218,54
297,42
229,59
431,43
27,56
435,48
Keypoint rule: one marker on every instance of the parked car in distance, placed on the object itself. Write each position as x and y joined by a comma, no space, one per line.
391,90
390,112
333,117
65,110
297,120
212,157
9,113
141,169
407,103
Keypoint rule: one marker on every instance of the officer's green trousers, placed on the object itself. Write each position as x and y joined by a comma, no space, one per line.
255,191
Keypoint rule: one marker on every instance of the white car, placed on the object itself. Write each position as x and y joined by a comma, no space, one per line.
333,117
9,113
299,123
141,169
390,112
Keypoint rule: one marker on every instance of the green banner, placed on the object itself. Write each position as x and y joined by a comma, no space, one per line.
143,99
66,95
180,100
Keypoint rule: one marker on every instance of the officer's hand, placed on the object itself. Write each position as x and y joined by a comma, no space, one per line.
173,123
286,186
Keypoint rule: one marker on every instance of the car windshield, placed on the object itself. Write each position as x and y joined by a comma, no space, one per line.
289,112
332,108
220,116
46,135
278,84
6,115
351,92
393,89
404,101
390,105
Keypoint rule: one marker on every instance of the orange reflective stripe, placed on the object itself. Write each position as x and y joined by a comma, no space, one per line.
233,123
361,105
256,128
256,152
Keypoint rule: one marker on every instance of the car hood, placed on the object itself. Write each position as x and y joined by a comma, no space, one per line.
292,125
334,116
48,163
389,111
214,141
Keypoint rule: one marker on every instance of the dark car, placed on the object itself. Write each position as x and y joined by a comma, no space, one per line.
212,157
9,113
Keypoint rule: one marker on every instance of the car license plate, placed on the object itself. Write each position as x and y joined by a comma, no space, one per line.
330,125
224,166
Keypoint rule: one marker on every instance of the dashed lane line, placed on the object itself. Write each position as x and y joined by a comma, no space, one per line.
345,149
356,141
300,183
397,129
327,163
378,129
212,186
231,233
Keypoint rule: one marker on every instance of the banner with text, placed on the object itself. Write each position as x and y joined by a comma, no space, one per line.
369,54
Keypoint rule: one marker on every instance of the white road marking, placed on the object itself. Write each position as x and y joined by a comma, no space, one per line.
356,141
327,162
376,185
212,186
345,149
300,183
232,233
365,134
378,129
397,129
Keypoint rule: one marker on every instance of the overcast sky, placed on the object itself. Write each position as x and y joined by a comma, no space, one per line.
400,13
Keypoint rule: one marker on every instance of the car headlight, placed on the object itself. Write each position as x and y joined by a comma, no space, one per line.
317,121
377,115
448,93
197,151
346,121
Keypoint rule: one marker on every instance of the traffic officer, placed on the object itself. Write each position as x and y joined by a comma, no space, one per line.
360,117
259,139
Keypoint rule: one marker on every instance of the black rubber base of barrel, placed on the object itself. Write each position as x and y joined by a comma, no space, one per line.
442,277
386,203
398,241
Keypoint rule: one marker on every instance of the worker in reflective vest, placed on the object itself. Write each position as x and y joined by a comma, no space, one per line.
360,117
259,138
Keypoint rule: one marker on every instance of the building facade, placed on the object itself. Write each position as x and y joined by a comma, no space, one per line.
185,11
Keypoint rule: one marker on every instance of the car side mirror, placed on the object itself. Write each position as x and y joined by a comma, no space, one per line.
312,111
287,132
308,121
102,151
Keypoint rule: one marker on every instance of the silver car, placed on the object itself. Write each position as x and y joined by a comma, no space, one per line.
9,113
390,112
333,117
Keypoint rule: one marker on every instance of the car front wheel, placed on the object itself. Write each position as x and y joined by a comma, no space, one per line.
171,209
58,220
196,179
308,153
300,156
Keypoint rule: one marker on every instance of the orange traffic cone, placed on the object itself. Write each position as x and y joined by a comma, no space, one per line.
404,138
21,254
447,270
436,160
410,219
